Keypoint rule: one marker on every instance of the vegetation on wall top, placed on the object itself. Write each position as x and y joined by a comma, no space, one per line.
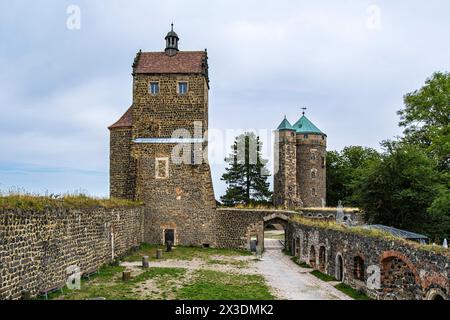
374,233
35,202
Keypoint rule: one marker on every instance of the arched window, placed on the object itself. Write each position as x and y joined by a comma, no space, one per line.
313,192
313,173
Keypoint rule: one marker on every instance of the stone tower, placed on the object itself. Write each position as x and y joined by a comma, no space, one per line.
159,148
300,168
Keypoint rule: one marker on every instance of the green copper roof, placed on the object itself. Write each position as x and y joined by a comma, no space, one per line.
285,125
305,126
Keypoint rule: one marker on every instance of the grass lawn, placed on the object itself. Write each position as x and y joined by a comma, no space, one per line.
161,283
353,293
322,276
213,285
182,253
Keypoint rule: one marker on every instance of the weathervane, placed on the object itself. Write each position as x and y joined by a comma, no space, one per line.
304,110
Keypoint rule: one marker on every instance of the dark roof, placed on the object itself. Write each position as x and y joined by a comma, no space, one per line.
182,62
172,34
397,232
126,121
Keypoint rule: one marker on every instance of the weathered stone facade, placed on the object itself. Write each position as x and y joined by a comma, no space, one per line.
158,151
37,248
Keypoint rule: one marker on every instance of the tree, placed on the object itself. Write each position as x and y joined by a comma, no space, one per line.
246,174
341,171
426,119
398,189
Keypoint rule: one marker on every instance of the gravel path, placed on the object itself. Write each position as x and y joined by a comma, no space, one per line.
291,282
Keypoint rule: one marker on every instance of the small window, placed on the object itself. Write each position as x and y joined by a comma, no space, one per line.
323,162
182,87
313,155
313,173
153,88
305,136
162,168
313,192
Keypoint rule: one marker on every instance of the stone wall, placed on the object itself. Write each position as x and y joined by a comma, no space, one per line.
122,165
307,145
285,170
36,248
383,269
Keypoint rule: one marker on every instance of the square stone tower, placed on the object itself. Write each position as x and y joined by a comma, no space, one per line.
300,165
159,147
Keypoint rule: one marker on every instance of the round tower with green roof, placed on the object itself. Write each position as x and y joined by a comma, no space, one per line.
300,168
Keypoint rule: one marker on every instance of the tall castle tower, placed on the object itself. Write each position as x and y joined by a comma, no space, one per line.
159,149
300,168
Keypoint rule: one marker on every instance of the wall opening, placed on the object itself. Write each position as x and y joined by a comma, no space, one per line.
169,235
322,259
312,257
358,268
275,236
339,268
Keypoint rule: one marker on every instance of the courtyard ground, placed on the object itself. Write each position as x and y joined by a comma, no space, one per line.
205,274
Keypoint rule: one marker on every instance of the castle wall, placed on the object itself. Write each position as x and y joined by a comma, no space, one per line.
383,269
122,165
37,248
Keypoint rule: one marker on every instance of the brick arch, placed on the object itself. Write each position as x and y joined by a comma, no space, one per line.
359,266
434,281
396,254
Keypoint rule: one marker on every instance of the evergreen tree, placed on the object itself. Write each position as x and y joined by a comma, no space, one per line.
246,174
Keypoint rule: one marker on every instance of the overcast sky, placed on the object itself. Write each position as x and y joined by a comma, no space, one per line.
349,62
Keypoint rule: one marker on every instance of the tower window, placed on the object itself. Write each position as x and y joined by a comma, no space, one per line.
313,155
153,88
323,162
182,87
313,192
313,173
162,168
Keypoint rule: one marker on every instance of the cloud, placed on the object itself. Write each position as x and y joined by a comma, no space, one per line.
62,88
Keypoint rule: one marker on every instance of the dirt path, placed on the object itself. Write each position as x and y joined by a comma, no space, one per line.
291,282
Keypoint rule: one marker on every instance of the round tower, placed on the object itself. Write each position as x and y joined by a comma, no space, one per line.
285,184
311,163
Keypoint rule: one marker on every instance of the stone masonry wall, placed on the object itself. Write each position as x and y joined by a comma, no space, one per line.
285,171
122,165
384,269
306,145
36,248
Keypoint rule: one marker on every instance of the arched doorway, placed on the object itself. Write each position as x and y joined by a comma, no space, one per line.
312,257
322,259
435,294
339,267
275,237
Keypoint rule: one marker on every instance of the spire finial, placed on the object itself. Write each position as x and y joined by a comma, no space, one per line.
304,110
171,26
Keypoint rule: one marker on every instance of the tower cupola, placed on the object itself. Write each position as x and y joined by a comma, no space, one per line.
172,43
